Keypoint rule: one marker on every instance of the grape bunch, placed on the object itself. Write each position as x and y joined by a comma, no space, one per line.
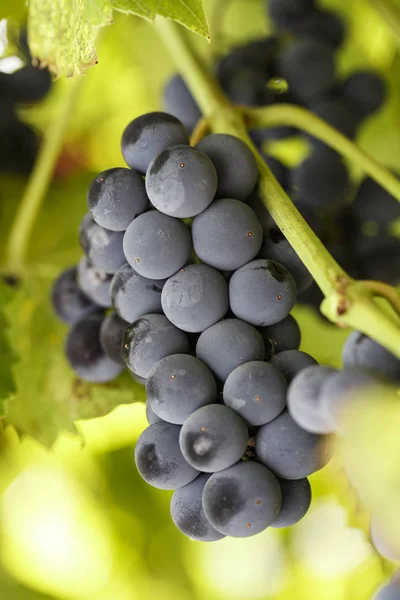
180,284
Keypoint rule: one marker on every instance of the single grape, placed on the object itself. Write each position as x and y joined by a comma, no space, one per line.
195,297
178,385
151,415
256,391
29,84
227,234
289,451
116,197
259,53
276,247
159,459
291,362
102,247
228,344
111,335
322,26
69,303
304,398
19,144
242,500
181,181
384,543
94,283
262,292
187,512
296,500
149,339
388,592
284,335
373,204
157,245
213,438
360,351
179,102
85,353
148,135
288,13
378,257
133,296
308,67
366,90
234,163
321,182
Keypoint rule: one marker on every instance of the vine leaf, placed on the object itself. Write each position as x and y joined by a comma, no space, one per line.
7,353
49,397
61,35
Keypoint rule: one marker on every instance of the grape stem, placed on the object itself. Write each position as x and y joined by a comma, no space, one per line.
383,290
200,131
347,303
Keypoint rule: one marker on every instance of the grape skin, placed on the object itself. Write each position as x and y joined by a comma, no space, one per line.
187,512
262,292
304,398
195,298
384,544
85,353
288,13
242,500
235,165
227,234
256,391
360,351
148,135
374,204
388,592
289,451
366,90
284,335
339,113
111,334
94,283
178,385
149,339
228,344
159,459
213,438
291,362
323,26
116,197
157,245
179,102
69,302
102,247
296,500
133,296
181,181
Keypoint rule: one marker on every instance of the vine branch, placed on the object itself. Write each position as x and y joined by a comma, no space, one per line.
347,302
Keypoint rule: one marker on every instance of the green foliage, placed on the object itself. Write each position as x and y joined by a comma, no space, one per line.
7,355
61,34
12,9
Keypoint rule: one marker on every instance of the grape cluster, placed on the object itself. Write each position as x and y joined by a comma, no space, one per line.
18,141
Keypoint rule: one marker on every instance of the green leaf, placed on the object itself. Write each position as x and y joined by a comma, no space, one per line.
49,397
7,354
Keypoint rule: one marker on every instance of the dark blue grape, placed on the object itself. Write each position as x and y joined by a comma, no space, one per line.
378,257
157,245
388,592
304,398
288,13
296,500
111,335
19,144
116,197
277,248
29,84
187,512
360,351
195,297
262,292
384,542
179,102
291,362
85,353
69,302
258,53
102,247
247,85
148,135
181,181
242,500
289,451
133,296
322,26
159,459
213,438
284,335
373,204
149,339
234,163
256,391
339,113
228,344
94,283
366,90
178,385
227,234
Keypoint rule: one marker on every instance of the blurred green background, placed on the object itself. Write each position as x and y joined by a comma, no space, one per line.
76,521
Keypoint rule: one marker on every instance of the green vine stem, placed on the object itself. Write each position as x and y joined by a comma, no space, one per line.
347,302
39,181
301,118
